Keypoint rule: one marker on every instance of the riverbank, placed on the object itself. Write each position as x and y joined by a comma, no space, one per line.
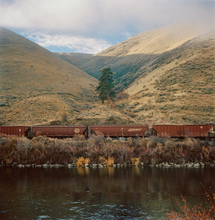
100,152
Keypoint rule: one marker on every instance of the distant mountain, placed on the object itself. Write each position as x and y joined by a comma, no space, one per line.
27,68
139,55
76,59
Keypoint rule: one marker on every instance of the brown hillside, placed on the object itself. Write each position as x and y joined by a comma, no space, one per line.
154,41
167,72
172,81
27,67
28,71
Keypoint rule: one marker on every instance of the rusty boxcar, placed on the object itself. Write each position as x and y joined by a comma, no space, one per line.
168,130
59,131
197,131
115,131
182,131
18,131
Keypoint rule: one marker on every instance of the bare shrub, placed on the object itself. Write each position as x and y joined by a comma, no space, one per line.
8,149
189,144
37,149
97,140
130,142
108,149
64,117
91,142
79,138
101,160
170,145
23,144
143,142
122,153
198,213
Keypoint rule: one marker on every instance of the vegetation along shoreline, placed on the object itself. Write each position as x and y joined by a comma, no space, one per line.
98,151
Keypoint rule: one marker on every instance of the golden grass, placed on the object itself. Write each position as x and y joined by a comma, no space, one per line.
135,161
82,161
109,161
28,69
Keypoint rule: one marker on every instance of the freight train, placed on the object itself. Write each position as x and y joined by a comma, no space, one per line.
112,131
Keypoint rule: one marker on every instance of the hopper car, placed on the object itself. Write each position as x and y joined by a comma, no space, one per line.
115,131
58,131
48,131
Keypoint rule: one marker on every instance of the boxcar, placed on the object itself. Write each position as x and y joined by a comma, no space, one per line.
168,131
197,131
59,131
115,131
182,131
18,131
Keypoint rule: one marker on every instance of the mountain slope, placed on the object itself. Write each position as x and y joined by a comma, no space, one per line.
76,59
136,56
167,72
35,84
28,68
182,86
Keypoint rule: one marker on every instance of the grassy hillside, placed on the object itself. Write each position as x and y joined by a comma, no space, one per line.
181,85
168,74
138,55
34,82
170,81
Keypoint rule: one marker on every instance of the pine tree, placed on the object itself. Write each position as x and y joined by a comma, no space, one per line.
105,88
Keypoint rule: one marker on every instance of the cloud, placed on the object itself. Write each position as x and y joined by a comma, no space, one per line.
68,41
90,19
87,16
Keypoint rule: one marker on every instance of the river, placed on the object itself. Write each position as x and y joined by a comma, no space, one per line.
99,193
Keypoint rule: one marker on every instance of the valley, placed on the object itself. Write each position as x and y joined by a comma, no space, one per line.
162,76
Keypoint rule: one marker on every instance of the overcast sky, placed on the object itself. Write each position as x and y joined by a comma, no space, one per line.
90,26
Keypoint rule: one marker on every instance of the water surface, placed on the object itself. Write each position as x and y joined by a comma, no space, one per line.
99,193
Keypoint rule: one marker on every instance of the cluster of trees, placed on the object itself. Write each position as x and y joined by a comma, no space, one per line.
105,89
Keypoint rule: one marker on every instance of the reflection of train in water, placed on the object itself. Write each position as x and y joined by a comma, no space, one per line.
113,131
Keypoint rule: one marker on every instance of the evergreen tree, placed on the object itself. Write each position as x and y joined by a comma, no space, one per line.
105,87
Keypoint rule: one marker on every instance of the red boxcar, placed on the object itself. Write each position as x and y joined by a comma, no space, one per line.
169,130
59,131
198,131
116,131
19,131
182,131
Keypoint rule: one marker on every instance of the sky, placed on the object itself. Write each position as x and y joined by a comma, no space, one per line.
90,26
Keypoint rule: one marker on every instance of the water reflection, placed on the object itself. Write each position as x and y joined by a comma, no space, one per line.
98,193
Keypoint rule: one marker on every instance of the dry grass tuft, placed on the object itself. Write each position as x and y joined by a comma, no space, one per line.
135,161
109,161
80,161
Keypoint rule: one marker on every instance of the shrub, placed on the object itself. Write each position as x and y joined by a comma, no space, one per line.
109,161
197,213
80,161
135,161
